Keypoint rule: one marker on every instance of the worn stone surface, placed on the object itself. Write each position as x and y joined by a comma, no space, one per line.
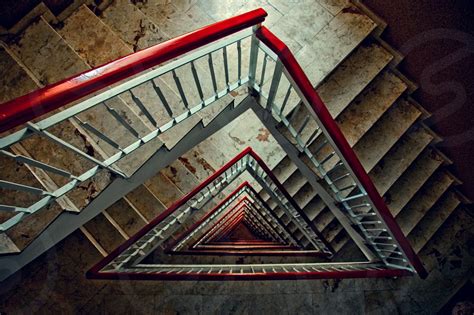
132,25
147,203
413,178
104,232
334,42
399,158
163,189
126,217
424,199
431,222
14,81
46,54
173,21
94,41
385,133
352,76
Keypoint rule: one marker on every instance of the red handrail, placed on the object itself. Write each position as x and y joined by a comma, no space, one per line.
27,107
320,109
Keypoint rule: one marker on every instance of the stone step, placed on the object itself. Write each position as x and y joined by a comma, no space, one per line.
376,93
103,45
385,133
399,158
304,196
126,216
93,40
14,81
46,54
370,105
146,202
351,77
409,216
454,232
162,187
394,163
333,43
342,86
132,25
380,138
171,20
432,221
347,81
412,180
104,232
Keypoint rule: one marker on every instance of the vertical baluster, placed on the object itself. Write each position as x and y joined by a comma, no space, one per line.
196,80
239,62
162,98
264,68
226,68
180,89
253,59
274,85
305,123
122,121
213,75
285,100
143,109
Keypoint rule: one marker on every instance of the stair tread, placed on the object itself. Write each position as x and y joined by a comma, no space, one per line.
24,232
385,133
454,231
126,217
414,211
144,200
368,107
94,41
352,76
304,195
132,25
14,81
104,232
333,43
296,14
389,169
430,223
171,21
180,176
412,180
397,160
163,189
46,54
313,207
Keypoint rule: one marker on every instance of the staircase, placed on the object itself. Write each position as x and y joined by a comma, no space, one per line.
352,70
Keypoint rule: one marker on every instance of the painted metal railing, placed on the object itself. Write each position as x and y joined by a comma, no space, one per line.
195,81
332,159
102,92
130,254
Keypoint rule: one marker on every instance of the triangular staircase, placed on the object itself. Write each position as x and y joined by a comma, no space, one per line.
352,70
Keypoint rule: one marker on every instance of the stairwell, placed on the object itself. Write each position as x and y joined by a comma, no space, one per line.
353,71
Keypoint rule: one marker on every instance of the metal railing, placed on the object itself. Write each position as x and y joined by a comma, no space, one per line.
332,159
187,81
116,136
